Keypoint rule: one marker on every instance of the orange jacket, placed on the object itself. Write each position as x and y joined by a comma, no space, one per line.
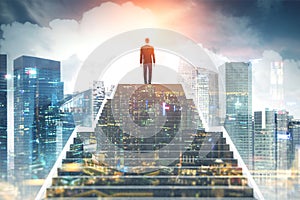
147,54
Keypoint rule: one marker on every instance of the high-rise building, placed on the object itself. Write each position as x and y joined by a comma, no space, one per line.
264,153
273,145
201,85
207,94
81,107
237,77
294,131
270,119
282,140
3,116
37,91
264,141
98,96
276,83
258,121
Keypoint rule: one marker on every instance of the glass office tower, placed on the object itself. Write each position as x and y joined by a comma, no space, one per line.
238,93
258,121
201,85
3,116
294,130
37,91
264,142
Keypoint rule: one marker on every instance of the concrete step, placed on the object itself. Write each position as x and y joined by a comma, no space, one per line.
150,191
180,146
78,154
96,170
131,180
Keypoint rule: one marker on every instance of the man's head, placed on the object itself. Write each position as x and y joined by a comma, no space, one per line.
147,40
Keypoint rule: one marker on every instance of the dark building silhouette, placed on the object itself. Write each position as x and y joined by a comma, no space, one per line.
3,116
294,131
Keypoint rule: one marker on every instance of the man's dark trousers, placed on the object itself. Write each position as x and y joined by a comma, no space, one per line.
147,70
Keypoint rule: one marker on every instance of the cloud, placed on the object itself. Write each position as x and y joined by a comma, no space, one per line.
65,39
261,90
267,5
71,41
226,34
70,70
232,36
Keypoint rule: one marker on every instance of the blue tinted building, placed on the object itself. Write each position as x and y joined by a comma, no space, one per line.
238,94
37,91
3,117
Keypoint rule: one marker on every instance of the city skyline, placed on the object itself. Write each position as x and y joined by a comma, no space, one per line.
31,71
229,32
72,93
38,90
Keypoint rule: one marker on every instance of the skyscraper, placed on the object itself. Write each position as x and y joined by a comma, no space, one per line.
282,140
258,121
294,130
3,116
264,141
273,145
38,88
98,96
201,85
276,83
238,93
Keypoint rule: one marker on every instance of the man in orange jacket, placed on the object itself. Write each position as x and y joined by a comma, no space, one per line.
147,57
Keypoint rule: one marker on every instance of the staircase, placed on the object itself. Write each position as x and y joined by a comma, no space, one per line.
149,143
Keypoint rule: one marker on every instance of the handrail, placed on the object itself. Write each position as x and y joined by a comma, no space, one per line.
42,192
246,172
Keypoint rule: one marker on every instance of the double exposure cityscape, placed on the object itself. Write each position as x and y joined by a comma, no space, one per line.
78,120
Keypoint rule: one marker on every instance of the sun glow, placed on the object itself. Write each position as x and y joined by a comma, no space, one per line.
121,67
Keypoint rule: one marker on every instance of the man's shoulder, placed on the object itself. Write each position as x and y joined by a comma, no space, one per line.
147,46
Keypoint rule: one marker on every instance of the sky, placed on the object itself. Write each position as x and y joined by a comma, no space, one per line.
261,31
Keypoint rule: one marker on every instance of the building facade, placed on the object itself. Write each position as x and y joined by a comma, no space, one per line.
98,96
201,85
264,141
37,91
294,130
3,116
276,85
237,77
282,140
258,121
273,145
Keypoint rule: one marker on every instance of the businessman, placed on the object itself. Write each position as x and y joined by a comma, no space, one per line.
147,57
